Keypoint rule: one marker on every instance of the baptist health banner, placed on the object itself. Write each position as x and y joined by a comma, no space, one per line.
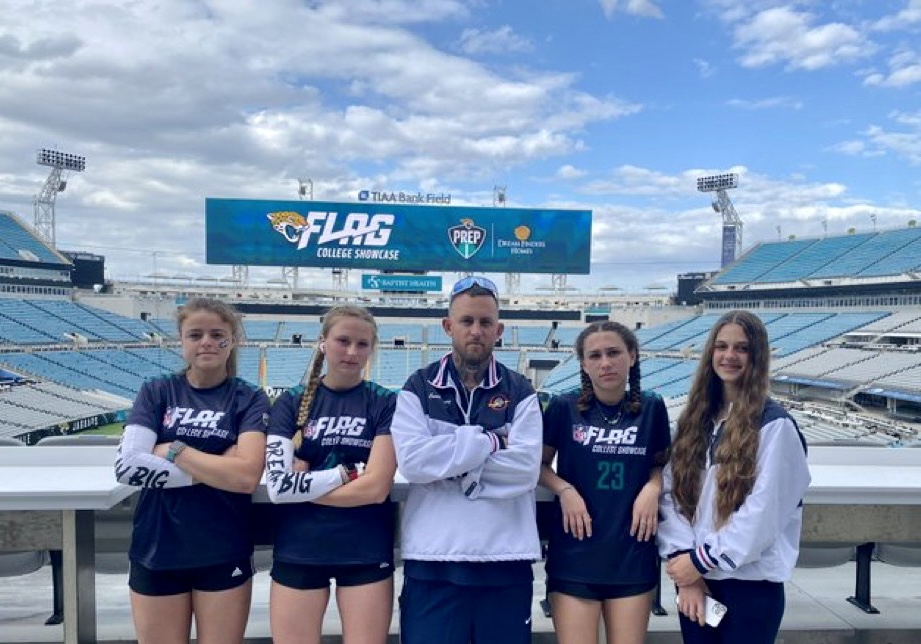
397,236
413,283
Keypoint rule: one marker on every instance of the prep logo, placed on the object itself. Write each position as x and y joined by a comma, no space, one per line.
468,238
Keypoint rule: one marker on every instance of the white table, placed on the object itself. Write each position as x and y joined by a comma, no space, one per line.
47,500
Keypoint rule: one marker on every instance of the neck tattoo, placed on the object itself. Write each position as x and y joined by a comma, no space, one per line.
471,373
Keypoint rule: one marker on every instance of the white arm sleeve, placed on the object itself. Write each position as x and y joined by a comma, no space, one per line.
284,485
135,463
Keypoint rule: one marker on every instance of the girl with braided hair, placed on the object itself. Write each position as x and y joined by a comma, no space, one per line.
330,465
733,489
609,443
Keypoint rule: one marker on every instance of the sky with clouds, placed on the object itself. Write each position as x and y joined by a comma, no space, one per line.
616,106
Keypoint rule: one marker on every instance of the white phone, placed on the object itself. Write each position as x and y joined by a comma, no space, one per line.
714,611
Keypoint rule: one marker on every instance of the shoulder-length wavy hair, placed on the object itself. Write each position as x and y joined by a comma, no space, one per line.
736,454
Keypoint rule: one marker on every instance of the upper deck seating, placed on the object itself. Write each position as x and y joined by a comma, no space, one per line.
810,259
17,243
761,260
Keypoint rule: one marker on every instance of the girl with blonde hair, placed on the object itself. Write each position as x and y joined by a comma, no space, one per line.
330,465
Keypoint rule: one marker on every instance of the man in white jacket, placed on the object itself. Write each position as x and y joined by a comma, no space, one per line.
468,433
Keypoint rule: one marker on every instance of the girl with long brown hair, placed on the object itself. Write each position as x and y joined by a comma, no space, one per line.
732,496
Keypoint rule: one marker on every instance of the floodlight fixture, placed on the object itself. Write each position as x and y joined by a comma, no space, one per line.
722,205
60,164
716,182
62,160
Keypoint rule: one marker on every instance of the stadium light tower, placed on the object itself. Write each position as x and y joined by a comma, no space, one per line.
732,224
291,274
499,199
60,164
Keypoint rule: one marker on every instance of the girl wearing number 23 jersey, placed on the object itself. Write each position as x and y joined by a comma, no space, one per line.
609,444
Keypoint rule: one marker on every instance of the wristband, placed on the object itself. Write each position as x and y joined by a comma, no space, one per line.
565,487
348,472
175,448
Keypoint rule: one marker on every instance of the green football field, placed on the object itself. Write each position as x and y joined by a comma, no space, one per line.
112,429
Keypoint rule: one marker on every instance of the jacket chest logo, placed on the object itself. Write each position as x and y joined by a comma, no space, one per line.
498,402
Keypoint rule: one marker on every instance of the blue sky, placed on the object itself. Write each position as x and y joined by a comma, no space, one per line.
611,105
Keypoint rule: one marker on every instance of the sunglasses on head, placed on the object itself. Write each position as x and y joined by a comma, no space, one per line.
469,282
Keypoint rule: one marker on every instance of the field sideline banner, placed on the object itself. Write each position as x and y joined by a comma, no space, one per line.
397,236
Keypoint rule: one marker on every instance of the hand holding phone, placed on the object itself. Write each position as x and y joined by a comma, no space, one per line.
714,611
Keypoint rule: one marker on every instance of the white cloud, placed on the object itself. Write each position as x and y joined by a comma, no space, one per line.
783,35
704,69
569,172
903,19
497,41
903,139
904,69
852,148
645,8
633,180
774,102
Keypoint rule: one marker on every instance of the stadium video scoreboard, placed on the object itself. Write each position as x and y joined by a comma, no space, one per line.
397,237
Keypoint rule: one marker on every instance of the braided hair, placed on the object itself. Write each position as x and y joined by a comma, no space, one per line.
587,395
316,366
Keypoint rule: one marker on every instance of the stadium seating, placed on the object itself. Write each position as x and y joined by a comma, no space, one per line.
16,244
868,255
761,260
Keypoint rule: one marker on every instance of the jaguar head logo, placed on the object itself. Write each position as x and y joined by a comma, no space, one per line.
289,224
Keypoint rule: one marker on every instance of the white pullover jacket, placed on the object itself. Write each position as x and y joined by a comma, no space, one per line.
761,539
469,498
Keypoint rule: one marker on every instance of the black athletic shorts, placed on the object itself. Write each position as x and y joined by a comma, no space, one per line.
597,592
145,581
314,577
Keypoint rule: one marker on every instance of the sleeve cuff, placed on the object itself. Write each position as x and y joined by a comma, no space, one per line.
703,560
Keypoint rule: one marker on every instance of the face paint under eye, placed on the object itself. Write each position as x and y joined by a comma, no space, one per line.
223,344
